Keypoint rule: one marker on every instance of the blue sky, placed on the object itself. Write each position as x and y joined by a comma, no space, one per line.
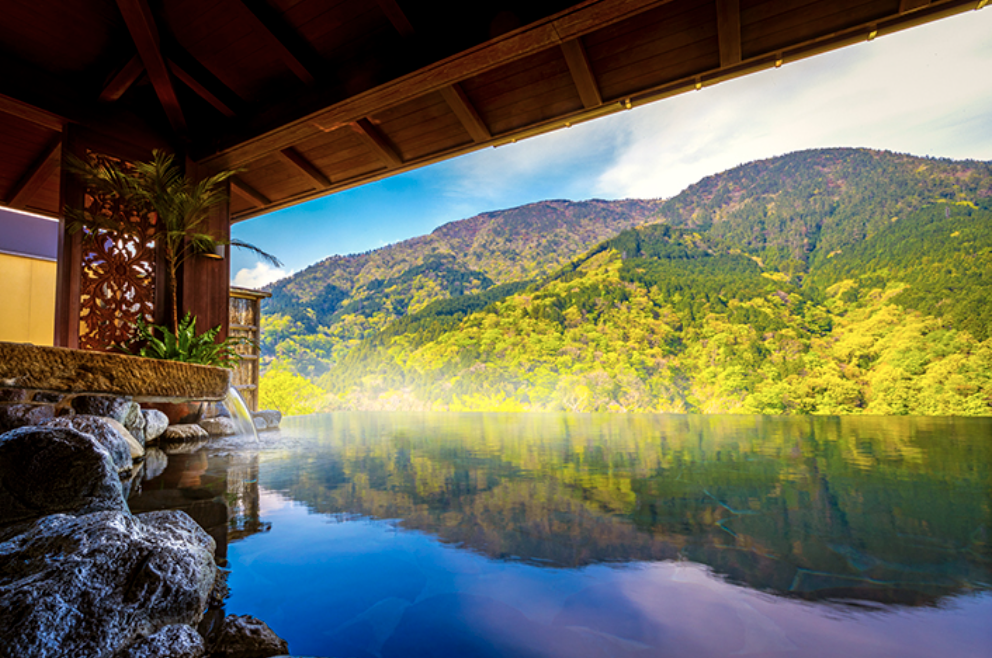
925,91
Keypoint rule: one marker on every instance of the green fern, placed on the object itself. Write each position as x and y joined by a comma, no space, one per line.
185,344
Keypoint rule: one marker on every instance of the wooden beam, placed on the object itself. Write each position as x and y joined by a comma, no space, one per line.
586,17
396,17
30,113
249,193
199,89
581,70
293,158
274,43
41,170
377,142
906,6
141,24
122,80
460,104
728,27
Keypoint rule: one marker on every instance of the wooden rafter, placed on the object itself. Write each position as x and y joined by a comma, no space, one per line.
469,117
581,70
39,173
396,17
249,193
912,5
377,142
293,158
141,24
728,23
199,89
541,35
274,43
121,81
30,113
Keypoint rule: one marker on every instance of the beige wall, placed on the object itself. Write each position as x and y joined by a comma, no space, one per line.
27,300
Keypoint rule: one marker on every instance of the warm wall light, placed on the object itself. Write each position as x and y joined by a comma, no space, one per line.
217,253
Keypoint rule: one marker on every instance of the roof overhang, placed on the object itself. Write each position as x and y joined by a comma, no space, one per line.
310,97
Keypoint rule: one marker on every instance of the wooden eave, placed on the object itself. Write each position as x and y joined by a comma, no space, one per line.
310,97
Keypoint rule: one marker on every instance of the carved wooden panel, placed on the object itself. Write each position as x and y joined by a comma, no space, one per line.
118,278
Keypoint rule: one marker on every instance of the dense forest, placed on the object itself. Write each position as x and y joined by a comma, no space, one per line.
835,281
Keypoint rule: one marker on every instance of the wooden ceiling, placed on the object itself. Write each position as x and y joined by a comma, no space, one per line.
309,97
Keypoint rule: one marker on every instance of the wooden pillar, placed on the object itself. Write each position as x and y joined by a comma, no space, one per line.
205,282
69,268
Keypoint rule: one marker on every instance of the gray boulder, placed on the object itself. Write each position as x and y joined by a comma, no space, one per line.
135,423
267,419
55,470
155,424
109,406
219,426
92,584
244,636
123,448
19,415
184,433
176,641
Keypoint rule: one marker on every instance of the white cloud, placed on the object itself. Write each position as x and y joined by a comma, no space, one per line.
260,275
922,91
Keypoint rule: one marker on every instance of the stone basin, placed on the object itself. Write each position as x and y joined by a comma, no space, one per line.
71,371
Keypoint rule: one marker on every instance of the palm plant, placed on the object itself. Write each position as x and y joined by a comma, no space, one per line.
157,186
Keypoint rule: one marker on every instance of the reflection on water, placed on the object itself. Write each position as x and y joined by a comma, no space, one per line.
578,535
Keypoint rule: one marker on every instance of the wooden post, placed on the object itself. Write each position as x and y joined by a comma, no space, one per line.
69,269
205,282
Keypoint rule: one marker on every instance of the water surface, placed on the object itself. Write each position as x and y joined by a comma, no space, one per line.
389,535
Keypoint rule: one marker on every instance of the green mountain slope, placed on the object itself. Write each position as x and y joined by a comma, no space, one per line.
880,307
315,314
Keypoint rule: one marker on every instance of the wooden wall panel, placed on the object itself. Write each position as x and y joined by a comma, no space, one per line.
767,27
275,179
61,35
221,36
422,127
342,156
524,92
671,42
23,143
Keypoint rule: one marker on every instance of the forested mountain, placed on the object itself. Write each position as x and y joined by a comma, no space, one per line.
826,281
315,313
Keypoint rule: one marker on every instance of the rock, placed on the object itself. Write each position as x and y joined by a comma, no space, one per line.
244,636
110,406
135,423
219,426
109,433
47,396
84,371
176,641
92,584
155,424
183,448
155,463
19,415
267,419
52,470
13,395
184,434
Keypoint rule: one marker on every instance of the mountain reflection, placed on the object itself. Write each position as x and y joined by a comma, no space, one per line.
893,510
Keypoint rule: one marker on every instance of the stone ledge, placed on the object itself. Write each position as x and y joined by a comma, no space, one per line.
25,366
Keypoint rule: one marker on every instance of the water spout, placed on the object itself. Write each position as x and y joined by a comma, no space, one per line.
237,411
